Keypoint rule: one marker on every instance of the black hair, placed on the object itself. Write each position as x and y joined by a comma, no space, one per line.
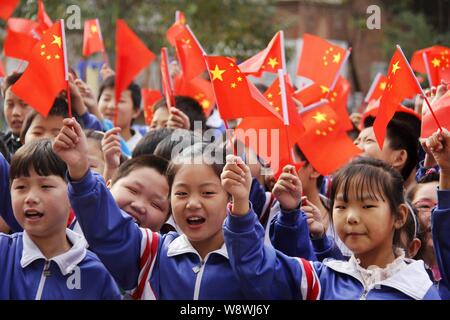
59,108
302,156
212,154
39,155
149,142
135,90
372,178
10,80
145,161
180,139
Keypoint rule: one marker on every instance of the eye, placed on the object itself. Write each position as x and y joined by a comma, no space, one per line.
132,190
339,207
19,187
369,206
157,206
180,194
208,193
46,186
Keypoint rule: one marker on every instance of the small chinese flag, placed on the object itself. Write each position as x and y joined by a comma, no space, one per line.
236,97
131,57
320,60
269,60
191,61
326,146
311,94
21,36
166,80
2,70
377,88
189,51
7,8
43,19
92,38
180,17
149,98
197,88
401,84
36,87
441,109
338,98
438,63
417,62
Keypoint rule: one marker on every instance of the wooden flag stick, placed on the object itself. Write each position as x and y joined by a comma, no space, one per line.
66,68
285,110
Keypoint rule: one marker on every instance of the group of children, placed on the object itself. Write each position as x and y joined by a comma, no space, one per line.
93,211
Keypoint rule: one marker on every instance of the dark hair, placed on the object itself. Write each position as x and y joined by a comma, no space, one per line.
188,106
403,132
431,177
59,109
303,157
135,90
208,151
145,161
10,80
4,149
179,138
373,178
148,143
411,226
39,155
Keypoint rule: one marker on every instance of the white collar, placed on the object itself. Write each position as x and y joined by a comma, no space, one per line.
412,280
181,245
135,138
66,261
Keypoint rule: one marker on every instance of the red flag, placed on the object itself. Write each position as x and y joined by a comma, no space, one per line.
401,84
190,51
149,98
417,62
338,101
166,79
2,70
7,8
191,60
180,17
43,19
131,57
311,94
438,66
236,97
377,88
197,88
36,87
21,36
92,38
326,146
441,109
320,60
270,59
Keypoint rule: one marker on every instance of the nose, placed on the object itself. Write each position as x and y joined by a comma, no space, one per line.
139,207
352,217
193,203
111,104
31,199
16,111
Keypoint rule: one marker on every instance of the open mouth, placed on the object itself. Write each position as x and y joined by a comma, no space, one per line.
33,215
195,221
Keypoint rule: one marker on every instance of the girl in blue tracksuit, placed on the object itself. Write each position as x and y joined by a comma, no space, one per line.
46,260
368,212
148,265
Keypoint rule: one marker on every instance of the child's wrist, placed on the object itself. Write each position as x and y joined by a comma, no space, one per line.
77,172
240,206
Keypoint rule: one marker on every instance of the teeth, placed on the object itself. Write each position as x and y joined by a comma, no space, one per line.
195,218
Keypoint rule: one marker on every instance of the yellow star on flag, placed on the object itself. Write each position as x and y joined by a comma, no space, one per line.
395,67
324,89
273,62
93,28
383,85
337,57
217,73
436,62
57,41
319,117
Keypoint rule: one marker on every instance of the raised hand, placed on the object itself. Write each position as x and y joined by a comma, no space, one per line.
178,119
71,146
111,152
288,189
237,180
314,219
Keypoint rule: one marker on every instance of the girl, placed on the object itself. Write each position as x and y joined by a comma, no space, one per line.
194,265
368,211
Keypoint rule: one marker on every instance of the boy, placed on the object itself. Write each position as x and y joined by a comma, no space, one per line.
47,261
15,110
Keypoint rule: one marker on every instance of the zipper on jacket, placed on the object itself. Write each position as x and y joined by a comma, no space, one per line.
44,275
364,294
199,271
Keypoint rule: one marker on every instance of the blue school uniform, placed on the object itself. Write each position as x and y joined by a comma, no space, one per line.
146,264
266,273
25,273
6,211
440,228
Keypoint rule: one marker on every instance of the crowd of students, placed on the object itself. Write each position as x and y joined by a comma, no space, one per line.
93,211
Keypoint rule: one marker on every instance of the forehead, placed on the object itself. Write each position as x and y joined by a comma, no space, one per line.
360,188
10,95
426,191
33,176
196,174
147,177
49,122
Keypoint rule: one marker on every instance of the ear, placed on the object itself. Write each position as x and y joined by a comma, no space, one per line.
399,158
403,212
414,247
136,113
109,184
314,174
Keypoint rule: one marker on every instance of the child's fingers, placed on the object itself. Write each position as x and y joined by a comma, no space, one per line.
69,133
67,140
233,176
278,188
60,145
113,131
234,168
287,185
288,177
307,209
77,127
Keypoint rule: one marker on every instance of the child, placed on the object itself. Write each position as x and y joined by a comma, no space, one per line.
47,261
150,141
191,266
95,153
368,210
15,110
128,109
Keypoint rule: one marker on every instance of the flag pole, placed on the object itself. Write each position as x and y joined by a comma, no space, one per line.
283,52
66,68
336,77
369,93
285,110
427,68
420,88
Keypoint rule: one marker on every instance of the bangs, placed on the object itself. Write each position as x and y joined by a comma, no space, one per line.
363,185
